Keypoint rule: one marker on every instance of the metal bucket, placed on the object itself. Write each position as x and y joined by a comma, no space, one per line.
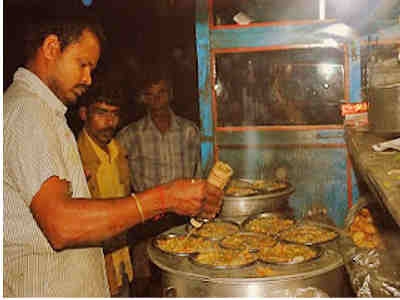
384,111
240,207
331,283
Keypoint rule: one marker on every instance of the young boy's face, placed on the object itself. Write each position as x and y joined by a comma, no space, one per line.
157,96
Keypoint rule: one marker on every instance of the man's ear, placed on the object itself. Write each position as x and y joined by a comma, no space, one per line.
51,47
83,113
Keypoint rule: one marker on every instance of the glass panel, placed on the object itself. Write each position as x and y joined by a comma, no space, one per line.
264,11
280,87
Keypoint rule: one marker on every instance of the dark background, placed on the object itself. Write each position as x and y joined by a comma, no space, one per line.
158,32
138,33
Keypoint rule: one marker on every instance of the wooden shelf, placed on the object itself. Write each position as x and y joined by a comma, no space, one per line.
374,168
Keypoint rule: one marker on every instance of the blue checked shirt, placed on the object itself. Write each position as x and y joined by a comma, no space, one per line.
156,158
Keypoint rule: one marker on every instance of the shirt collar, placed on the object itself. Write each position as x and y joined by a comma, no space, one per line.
101,154
36,85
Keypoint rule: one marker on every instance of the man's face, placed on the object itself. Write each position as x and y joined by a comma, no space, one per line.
156,97
71,72
101,121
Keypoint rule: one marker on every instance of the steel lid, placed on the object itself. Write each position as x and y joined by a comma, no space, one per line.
281,194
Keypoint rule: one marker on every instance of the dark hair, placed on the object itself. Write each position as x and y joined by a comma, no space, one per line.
155,73
100,92
67,29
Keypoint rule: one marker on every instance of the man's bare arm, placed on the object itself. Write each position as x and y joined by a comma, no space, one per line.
70,222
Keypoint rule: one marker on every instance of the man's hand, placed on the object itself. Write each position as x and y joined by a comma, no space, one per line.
194,197
213,202
186,196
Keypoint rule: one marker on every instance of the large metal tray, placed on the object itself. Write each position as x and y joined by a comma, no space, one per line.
317,249
193,258
309,243
164,236
224,243
183,267
244,206
247,221
248,184
195,232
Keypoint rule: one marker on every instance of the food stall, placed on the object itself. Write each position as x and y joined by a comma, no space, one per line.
272,80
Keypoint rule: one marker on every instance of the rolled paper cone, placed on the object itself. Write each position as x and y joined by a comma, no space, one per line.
220,174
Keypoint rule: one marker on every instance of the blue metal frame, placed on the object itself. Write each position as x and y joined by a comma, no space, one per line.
267,36
205,99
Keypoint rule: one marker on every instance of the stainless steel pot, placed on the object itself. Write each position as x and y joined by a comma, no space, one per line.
330,283
181,278
238,207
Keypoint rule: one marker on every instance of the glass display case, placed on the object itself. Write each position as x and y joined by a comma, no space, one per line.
280,87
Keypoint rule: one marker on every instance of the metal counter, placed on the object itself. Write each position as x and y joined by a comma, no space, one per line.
376,168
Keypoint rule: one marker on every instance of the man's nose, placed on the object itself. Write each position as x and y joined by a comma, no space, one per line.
111,118
87,77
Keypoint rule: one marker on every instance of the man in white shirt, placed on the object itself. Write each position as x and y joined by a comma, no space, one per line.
49,220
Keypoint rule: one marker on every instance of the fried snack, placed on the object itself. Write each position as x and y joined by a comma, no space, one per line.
183,245
287,253
220,174
269,225
308,235
216,230
238,191
226,258
363,231
241,188
249,241
269,185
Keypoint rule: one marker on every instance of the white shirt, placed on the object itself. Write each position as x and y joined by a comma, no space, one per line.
38,144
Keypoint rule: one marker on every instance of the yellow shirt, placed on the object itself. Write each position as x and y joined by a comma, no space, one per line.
107,175
109,179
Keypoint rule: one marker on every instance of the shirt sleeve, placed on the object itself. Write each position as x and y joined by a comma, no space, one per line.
32,156
123,139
